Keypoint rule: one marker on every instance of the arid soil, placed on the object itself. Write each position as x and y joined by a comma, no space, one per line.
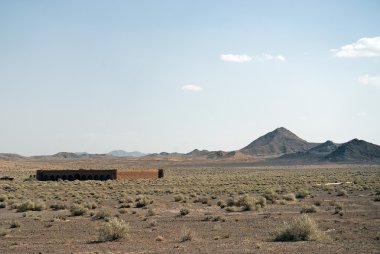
344,199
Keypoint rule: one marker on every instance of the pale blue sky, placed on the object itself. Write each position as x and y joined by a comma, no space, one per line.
96,76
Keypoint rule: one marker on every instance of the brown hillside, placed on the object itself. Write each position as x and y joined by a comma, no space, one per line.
279,141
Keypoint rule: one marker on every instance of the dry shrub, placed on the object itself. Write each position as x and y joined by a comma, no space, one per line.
15,224
270,195
289,197
3,232
159,238
214,218
244,203
247,203
221,204
309,209
302,228
58,206
103,214
114,229
150,212
338,207
186,235
31,206
142,201
302,193
3,197
78,210
203,200
341,193
184,211
261,201
232,209
123,210
90,205
178,198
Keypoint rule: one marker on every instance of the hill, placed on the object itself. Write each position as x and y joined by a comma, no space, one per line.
122,153
316,153
197,153
10,156
280,141
67,155
355,151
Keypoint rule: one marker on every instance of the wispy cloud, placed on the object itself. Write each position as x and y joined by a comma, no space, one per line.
235,58
370,81
269,57
192,88
246,58
364,47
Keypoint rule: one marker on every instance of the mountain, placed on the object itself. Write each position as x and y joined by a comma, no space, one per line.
236,155
314,154
280,141
216,154
122,153
197,153
355,151
324,148
68,155
277,147
10,156
82,153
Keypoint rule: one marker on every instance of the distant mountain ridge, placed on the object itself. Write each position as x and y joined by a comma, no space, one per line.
278,146
122,153
10,156
197,152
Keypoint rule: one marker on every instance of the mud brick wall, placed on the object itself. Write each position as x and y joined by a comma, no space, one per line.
140,174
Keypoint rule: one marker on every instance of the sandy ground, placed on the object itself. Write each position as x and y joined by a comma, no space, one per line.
355,230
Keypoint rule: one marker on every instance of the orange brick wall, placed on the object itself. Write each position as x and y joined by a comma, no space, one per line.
137,174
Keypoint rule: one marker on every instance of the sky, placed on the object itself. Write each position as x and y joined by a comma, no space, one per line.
175,75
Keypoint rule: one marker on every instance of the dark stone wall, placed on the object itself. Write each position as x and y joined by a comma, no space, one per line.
102,175
71,175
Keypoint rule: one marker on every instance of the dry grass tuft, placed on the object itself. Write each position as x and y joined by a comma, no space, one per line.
309,209
78,210
186,235
31,206
301,228
114,229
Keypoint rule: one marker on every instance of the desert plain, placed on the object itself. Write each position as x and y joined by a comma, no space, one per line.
200,206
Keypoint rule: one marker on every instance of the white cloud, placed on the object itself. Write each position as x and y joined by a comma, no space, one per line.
247,58
364,47
235,58
192,88
270,57
370,81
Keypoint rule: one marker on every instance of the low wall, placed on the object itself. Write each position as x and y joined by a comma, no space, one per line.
81,174
109,174
140,174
